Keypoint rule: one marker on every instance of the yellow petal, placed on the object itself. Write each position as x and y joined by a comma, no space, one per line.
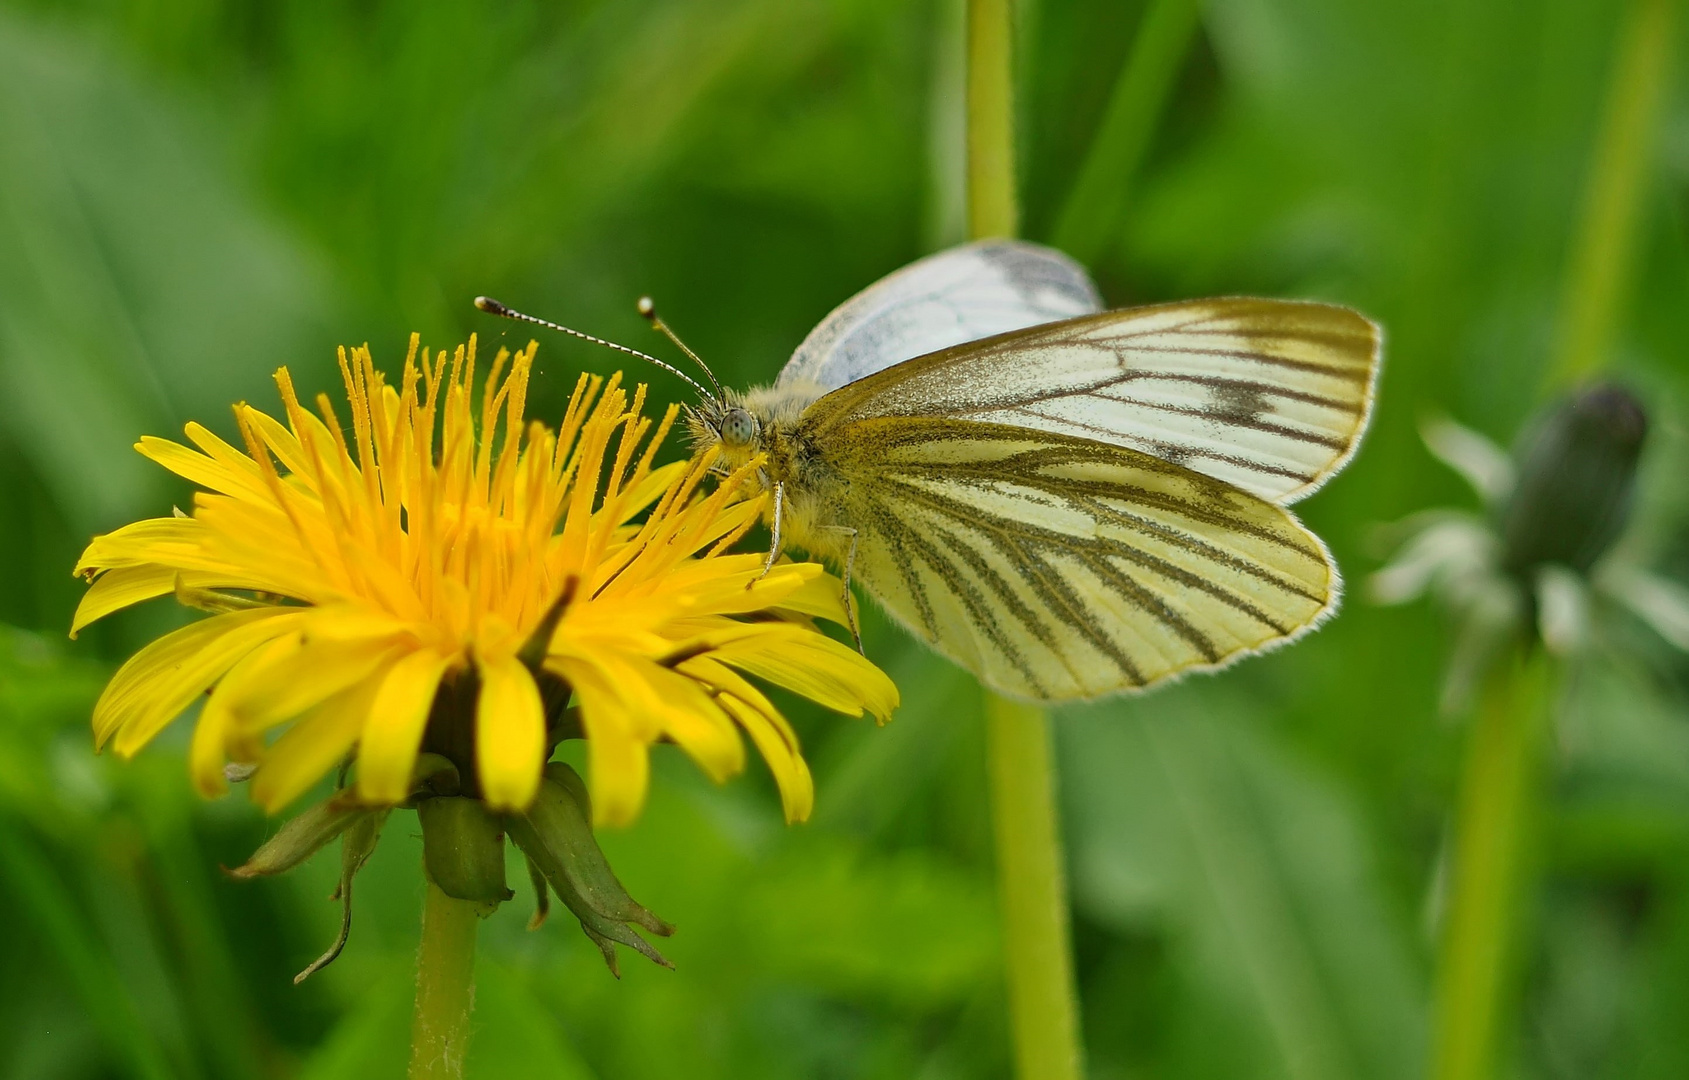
791,772
314,671
209,749
313,746
354,624
768,729
235,461
735,585
197,545
386,585
735,516
819,668
509,734
659,703
205,471
165,677
144,543
286,447
621,772
650,489
698,725
115,590
822,597
392,734
616,758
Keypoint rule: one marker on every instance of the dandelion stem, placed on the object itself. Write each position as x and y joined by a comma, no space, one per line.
1489,867
1032,889
1603,256
445,987
992,209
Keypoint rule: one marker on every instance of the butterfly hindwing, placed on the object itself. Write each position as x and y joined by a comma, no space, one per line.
1270,396
1055,567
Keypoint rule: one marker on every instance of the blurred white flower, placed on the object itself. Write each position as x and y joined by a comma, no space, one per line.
1540,558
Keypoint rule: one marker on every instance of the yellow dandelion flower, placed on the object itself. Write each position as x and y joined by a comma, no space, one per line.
375,593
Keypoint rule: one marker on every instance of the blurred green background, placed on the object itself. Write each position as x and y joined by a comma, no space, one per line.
193,192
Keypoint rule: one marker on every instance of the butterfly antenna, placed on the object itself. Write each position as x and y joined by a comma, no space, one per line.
494,307
648,308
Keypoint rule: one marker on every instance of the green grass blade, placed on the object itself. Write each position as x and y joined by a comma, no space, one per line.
1091,215
85,960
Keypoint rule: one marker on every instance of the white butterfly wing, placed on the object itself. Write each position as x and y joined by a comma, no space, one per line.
1269,396
956,296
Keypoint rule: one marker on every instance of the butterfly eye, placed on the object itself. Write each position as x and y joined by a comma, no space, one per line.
738,427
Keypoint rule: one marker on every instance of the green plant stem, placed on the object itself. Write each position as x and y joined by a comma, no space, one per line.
992,206
1032,889
1037,949
1091,215
445,987
1603,257
1489,876
1489,867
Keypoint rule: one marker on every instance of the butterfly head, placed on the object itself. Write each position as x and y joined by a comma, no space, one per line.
726,423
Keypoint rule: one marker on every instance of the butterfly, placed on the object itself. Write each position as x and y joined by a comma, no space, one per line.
1066,501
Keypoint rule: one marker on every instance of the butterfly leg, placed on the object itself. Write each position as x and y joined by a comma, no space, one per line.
776,528
844,591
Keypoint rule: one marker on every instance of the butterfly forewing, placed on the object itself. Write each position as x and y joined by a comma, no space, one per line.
1270,396
962,294
1056,567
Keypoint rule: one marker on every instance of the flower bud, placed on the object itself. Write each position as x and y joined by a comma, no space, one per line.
463,850
1577,471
